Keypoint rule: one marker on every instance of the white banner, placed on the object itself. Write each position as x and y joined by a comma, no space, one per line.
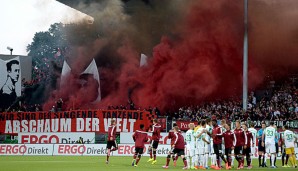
92,69
90,72
100,149
144,60
126,138
10,82
26,149
57,138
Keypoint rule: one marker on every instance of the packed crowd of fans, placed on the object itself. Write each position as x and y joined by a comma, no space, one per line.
280,102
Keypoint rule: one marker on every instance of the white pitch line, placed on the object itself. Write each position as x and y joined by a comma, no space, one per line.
50,161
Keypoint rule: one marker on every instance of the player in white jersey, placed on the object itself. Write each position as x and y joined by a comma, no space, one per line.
223,130
196,151
289,140
268,141
208,142
283,149
200,142
212,153
190,146
254,137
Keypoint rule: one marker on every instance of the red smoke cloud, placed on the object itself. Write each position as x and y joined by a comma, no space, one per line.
202,58
203,61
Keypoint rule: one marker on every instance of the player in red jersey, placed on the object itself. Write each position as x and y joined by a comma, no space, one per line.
155,140
239,143
247,150
217,144
171,136
139,137
111,142
178,147
228,139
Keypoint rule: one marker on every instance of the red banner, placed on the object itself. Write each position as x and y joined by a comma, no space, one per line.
73,121
183,125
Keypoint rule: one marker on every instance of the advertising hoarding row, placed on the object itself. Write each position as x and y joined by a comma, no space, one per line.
83,150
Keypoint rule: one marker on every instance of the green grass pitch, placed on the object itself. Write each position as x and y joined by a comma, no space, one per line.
86,163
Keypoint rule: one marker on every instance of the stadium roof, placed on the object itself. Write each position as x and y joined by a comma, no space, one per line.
75,4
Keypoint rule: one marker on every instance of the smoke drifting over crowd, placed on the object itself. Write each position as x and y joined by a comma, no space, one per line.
195,50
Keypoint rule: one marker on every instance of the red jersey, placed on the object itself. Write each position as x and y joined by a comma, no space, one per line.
156,132
112,133
140,137
179,141
249,138
228,138
240,137
171,136
217,135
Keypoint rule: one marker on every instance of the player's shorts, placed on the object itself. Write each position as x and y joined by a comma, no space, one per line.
238,150
223,147
228,151
189,152
179,152
260,147
212,148
270,147
111,144
290,150
154,144
207,148
200,150
217,149
246,151
139,150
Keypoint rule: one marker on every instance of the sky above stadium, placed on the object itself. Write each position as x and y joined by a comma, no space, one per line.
21,19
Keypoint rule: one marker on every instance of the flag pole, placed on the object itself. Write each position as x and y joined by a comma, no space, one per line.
245,56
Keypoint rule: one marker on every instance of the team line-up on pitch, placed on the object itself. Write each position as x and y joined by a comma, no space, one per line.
217,141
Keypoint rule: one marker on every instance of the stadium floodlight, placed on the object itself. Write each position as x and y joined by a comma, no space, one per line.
10,49
245,55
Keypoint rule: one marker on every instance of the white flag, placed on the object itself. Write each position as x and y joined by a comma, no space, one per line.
143,61
92,69
65,71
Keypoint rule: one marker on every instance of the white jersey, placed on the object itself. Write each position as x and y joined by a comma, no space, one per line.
208,129
190,139
289,138
254,133
200,142
270,134
223,130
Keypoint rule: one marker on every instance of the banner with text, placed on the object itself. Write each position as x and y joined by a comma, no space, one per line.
183,125
293,125
279,124
27,149
100,149
56,138
73,121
